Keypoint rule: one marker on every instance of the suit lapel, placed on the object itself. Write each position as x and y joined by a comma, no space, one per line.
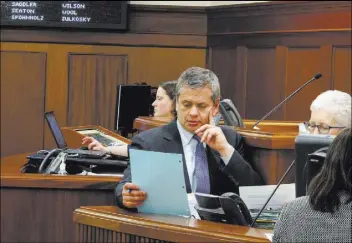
173,144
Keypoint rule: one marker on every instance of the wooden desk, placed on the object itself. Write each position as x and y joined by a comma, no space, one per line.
38,208
270,150
111,224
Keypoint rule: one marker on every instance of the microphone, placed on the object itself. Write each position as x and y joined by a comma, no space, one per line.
317,76
272,194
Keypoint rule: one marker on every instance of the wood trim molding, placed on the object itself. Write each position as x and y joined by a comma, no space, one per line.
167,8
168,227
284,17
280,7
63,182
85,38
272,32
148,26
194,27
281,38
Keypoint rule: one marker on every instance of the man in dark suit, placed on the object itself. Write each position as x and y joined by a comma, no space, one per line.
212,155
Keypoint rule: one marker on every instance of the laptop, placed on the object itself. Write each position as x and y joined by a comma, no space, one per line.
61,143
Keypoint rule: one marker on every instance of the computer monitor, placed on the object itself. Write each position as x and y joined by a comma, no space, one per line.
132,101
305,145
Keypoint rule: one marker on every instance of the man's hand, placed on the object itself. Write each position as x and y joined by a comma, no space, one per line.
214,137
132,196
94,144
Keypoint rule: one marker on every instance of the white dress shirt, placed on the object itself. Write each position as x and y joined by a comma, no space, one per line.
189,149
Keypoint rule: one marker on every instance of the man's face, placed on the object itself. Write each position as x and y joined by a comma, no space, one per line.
321,117
194,107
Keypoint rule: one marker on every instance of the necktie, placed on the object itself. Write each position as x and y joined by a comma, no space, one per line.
201,168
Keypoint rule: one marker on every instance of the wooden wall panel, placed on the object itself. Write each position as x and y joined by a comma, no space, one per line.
308,37
261,83
167,19
152,26
49,209
156,65
22,101
114,63
342,68
224,62
280,16
302,65
303,37
92,88
159,43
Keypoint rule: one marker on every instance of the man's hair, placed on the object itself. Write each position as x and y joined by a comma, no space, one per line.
337,103
334,177
197,77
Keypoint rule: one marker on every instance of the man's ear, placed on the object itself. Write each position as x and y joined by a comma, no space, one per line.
216,107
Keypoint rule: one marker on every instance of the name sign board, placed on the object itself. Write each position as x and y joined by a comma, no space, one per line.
66,14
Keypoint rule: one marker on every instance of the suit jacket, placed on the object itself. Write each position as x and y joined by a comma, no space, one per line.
298,222
223,178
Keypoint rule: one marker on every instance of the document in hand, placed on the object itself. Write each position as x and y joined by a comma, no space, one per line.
161,176
256,196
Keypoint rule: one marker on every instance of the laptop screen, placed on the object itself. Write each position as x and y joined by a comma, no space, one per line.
55,129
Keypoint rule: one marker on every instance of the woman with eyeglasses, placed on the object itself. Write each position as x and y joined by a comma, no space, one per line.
330,113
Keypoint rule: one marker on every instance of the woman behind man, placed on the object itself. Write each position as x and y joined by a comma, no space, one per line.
163,107
164,101
325,215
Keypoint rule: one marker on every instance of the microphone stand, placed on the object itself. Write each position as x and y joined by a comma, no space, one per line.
317,76
272,194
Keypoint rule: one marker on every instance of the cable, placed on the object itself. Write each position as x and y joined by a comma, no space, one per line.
272,194
46,159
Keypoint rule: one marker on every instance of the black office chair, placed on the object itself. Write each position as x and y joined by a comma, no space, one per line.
230,114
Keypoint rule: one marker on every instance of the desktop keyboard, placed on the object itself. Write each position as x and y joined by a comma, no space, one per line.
105,141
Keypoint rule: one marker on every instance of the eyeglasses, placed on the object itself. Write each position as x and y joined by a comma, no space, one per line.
322,128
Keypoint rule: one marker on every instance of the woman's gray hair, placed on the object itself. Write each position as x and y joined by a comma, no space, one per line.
197,77
337,103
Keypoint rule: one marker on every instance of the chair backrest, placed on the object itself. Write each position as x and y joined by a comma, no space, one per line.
230,114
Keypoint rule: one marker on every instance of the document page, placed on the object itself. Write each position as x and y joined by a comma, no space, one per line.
256,196
269,236
161,176
192,201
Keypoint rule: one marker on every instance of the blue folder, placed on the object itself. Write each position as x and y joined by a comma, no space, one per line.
161,176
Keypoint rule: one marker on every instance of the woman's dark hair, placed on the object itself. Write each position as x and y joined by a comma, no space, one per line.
170,89
334,177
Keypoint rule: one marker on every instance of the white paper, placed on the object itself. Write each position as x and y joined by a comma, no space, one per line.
256,196
87,173
192,201
269,236
103,174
